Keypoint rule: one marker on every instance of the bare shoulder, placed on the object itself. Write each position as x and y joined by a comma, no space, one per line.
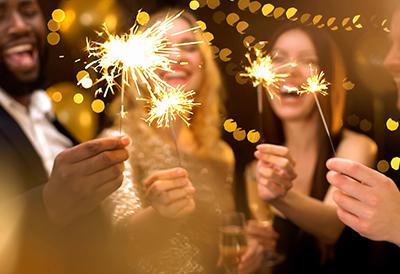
225,153
358,147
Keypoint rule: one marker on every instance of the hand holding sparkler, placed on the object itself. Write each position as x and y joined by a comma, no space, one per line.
170,193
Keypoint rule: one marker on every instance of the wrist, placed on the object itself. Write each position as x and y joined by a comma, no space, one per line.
53,209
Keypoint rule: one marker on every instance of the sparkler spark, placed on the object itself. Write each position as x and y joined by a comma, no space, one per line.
135,54
263,72
316,83
166,106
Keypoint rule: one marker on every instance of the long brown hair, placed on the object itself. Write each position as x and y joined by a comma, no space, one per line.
331,62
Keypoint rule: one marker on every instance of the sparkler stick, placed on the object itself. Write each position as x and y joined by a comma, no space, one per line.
316,83
260,111
167,106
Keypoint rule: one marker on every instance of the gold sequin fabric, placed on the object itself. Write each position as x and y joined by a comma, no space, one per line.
193,248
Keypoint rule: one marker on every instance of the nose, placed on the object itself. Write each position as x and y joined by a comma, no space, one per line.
18,24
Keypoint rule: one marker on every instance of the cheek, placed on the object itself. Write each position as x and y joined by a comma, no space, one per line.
195,59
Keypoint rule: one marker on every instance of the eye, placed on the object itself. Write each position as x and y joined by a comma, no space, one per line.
29,9
189,48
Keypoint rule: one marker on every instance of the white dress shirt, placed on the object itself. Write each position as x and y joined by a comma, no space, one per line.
35,122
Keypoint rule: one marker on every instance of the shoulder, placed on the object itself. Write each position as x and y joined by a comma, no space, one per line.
358,147
224,152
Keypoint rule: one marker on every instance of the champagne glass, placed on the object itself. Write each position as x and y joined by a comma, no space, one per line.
262,212
233,242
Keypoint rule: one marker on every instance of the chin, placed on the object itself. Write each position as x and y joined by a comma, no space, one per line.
28,76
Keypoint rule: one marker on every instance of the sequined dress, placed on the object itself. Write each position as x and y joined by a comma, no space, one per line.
194,246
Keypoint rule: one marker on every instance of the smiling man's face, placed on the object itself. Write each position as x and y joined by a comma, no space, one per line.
22,40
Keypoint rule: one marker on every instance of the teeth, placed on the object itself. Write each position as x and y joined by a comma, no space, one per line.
18,49
288,89
177,74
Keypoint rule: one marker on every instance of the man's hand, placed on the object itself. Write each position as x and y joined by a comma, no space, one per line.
83,176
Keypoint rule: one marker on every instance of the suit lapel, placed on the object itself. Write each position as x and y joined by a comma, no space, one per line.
65,132
23,147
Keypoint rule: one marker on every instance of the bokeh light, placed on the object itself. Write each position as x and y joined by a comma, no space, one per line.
98,106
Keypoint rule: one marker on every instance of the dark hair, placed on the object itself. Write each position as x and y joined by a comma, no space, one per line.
330,61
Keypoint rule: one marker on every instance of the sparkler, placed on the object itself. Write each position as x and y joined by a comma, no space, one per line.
167,106
136,55
262,73
316,83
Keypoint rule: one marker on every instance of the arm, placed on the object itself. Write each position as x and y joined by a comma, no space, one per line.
315,217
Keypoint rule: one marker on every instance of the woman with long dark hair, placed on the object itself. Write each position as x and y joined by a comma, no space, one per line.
290,168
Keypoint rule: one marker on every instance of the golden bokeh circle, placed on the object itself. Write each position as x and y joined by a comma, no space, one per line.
58,15
142,18
98,106
78,98
53,38
392,125
230,125
383,166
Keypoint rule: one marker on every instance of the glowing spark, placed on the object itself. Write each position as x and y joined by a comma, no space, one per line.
166,106
316,83
263,72
138,54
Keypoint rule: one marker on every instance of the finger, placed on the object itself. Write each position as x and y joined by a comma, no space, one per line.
277,175
273,187
348,185
179,206
177,194
107,189
348,219
101,161
277,161
250,251
99,178
160,187
356,171
281,151
168,174
349,204
94,147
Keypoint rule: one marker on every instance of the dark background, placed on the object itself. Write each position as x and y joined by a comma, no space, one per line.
369,104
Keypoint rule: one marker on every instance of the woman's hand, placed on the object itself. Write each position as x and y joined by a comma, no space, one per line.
274,172
170,193
252,259
265,235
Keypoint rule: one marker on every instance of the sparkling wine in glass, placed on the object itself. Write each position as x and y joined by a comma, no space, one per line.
233,242
263,213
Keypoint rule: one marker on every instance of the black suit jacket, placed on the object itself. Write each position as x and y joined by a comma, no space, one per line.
82,247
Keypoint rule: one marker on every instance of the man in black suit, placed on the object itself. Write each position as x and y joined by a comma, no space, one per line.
50,192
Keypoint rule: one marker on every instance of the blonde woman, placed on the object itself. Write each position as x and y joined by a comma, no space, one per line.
167,217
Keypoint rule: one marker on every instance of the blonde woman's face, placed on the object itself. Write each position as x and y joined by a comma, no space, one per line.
187,72
294,46
392,61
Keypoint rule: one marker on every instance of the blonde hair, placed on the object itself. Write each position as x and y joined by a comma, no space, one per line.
206,118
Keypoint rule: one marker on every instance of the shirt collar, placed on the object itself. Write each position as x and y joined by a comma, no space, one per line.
40,104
